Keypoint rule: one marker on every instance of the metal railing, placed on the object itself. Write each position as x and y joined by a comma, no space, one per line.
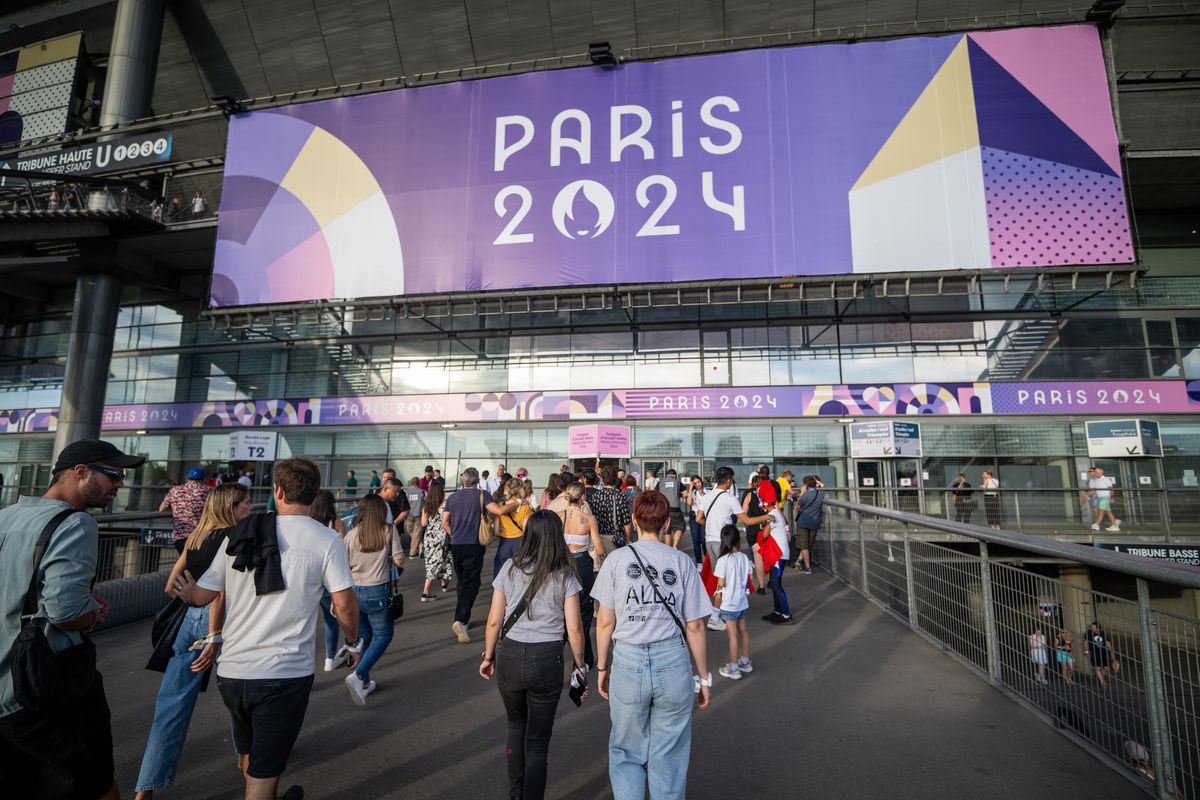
1061,512
1133,700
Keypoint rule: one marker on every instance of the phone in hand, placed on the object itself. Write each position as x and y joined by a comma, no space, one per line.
576,694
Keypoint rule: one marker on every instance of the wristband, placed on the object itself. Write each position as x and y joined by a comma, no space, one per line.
488,660
601,669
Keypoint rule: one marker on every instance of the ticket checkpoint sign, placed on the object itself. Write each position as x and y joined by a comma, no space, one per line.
603,441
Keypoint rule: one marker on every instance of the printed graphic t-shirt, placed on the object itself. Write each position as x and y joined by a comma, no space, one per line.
641,618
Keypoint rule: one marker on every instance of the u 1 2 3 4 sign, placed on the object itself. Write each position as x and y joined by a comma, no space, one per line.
901,155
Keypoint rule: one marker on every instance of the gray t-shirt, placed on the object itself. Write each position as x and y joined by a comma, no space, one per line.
641,619
543,621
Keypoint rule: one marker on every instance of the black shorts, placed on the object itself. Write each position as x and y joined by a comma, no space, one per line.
266,716
66,754
678,523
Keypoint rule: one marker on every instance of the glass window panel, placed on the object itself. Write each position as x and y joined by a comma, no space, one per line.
667,441
417,444
545,378
539,442
37,450
751,373
296,443
809,440
805,371
478,380
475,442
867,368
419,379
831,471
1180,439
600,376
952,439
360,443
213,447
738,442
1032,439
653,375
950,368
619,343
686,341
1188,330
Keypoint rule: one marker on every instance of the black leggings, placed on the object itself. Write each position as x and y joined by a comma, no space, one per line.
530,679
587,579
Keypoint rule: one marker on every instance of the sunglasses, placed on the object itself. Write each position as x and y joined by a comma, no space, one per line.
115,474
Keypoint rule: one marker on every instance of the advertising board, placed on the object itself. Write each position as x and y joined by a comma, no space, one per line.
884,156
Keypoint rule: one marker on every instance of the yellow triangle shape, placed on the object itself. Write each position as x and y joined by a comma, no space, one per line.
941,123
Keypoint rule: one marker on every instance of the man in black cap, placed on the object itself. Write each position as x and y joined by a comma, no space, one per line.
65,749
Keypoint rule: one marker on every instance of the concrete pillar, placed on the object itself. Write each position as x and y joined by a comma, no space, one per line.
132,61
1078,605
89,351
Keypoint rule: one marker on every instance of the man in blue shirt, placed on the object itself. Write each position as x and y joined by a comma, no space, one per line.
67,750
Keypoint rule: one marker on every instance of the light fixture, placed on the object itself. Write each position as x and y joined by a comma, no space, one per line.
1104,12
601,54
140,433
845,420
449,425
228,105
333,372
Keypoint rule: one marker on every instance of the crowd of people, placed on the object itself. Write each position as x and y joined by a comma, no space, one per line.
250,590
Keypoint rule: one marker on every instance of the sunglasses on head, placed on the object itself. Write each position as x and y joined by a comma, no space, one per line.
115,474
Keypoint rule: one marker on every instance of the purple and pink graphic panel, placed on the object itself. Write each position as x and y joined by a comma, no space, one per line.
966,151
758,402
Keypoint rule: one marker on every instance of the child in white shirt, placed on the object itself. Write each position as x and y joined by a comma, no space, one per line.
733,602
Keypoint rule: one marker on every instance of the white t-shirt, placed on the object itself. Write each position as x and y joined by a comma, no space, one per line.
651,484
275,635
779,532
720,507
246,481
1101,485
735,569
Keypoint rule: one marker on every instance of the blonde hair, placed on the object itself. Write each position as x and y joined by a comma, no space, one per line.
371,524
516,488
218,512
573,492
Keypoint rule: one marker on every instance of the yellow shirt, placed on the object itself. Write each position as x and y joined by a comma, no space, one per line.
784,486
510,529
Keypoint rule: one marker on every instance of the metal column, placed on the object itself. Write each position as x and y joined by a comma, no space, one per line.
132,61
93,326
991,635
1162,754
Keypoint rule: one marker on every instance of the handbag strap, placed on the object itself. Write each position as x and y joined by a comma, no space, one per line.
29,607
516,613
658,596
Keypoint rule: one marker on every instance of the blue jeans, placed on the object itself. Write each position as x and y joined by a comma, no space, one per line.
173,710
506,550
651,710
698,540
332,629
776,580
374,625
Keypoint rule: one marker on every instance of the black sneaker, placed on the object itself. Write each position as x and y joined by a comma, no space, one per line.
782,619
762,590
772,617
294,793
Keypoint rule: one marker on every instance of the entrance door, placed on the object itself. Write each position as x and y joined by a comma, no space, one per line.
894,483
1137,496
33,479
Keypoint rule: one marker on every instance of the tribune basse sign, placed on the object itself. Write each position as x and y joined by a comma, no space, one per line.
874,157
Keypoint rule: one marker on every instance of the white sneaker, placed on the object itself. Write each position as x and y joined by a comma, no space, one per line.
334,663
329,667
745,665
730,671
716,624
358,692
1095,526
460,631
370,687
1116,526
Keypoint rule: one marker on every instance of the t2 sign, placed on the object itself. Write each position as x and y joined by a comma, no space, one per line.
252,445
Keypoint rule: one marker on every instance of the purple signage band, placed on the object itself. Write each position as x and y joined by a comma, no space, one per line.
758,402
966,151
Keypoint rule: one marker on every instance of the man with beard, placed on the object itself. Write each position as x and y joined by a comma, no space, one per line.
64,749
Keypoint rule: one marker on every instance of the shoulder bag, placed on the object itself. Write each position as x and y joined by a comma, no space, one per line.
396,597
44,680
485,527
658,595
515,615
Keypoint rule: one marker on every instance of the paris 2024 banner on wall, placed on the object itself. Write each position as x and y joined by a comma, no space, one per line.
968,151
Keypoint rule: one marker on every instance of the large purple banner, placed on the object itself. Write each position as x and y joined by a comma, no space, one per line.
966,151
756,402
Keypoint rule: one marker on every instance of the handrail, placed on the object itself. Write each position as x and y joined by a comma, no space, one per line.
1163,572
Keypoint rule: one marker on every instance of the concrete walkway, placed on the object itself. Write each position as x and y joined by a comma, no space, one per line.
845,704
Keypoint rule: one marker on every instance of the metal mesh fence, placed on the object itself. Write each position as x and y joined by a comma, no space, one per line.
1119,677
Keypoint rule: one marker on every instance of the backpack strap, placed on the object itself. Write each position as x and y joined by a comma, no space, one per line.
29,607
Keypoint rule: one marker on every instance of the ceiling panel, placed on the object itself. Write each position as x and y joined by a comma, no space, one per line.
489,25
572,25
614,22
531,30
413,29
790,16
452,34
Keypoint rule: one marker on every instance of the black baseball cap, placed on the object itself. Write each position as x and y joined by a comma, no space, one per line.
95,451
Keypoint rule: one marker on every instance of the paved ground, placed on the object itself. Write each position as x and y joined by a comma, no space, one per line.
845,704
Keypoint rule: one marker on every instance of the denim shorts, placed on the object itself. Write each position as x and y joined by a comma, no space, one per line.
734,616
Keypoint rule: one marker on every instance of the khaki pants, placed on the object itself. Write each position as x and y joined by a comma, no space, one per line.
413,528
